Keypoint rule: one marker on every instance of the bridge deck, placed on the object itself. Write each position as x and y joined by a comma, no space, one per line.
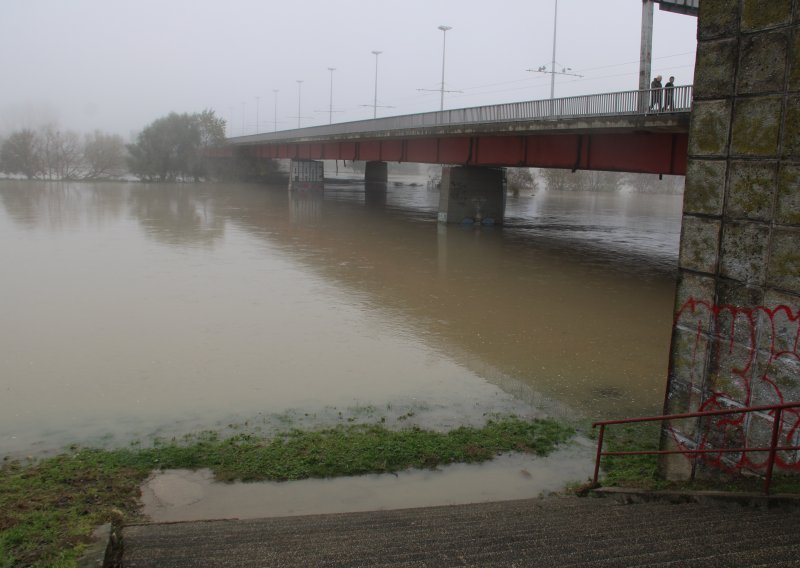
614,132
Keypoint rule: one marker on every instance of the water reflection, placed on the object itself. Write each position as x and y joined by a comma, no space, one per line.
178,215
182,306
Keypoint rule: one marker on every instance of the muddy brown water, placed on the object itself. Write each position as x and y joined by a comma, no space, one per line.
129,311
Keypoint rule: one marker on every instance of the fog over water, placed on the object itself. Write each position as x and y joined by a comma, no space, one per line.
133,310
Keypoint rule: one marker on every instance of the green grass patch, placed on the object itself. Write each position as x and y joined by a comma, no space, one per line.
49,507
636,470
641,471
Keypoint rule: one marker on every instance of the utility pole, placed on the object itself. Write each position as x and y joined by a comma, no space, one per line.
299,88
645,55
553,64
275,112
444,50
646,48
330,102
552,71
375,99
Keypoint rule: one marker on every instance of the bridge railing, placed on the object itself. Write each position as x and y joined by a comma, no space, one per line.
624,103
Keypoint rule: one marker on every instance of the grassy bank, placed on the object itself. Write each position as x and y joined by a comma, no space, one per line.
49,507
631,471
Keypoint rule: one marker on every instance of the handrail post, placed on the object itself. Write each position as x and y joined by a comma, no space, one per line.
776,427
599,453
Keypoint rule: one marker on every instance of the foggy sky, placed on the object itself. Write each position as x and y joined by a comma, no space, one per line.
117,65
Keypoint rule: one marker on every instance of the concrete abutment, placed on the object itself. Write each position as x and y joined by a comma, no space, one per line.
737,310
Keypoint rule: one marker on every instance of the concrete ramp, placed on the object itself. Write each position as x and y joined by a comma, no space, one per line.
534,532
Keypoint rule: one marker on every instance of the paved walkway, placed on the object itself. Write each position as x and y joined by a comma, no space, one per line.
533,532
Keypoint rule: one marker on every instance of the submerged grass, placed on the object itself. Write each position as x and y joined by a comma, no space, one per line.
49,507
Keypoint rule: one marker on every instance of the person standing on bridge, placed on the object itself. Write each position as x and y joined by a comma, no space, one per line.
669,94
655,93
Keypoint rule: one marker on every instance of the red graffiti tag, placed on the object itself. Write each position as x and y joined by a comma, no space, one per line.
738,357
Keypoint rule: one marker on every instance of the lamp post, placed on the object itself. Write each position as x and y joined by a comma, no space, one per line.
330,103
299,89
444,49
244,105
553,72
258,104
553,66
275,111
375,99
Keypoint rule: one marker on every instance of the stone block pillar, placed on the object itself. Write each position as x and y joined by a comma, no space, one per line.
306,175
737,310
376,172
470,194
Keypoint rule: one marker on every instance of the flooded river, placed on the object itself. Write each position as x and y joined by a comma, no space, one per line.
129,311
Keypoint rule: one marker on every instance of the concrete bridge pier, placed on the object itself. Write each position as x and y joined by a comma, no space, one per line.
376,173
376,176
306,175
472,194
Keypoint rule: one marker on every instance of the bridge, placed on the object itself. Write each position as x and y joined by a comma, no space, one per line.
611,131
628,131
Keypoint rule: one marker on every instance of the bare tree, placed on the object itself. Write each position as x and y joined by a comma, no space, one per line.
557,179
519,179
590,180
651,183
61,153
21,153
103,155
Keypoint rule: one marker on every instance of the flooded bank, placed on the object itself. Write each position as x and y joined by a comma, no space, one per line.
181,495
131,311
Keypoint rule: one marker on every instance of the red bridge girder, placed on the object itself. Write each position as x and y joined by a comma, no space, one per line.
647,152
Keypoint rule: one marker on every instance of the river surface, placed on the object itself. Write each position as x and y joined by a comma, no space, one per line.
129,311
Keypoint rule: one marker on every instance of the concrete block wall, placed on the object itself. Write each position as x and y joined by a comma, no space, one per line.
737,312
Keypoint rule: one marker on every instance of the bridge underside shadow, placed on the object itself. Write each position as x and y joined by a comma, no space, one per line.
473,190
634,152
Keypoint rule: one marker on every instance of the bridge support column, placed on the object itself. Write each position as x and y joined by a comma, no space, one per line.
376,172
737,320
306,174
470,194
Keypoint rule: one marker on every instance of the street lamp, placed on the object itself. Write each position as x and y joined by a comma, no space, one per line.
258,103
330,103
275,112
553,72
299,88
375,99
444,48
553,66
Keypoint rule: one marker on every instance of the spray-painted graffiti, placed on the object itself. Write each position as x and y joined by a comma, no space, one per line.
728,356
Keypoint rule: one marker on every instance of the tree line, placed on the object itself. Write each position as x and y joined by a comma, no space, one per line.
172,148
49,153
532,179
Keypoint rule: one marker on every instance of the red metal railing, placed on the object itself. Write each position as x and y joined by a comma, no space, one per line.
773,448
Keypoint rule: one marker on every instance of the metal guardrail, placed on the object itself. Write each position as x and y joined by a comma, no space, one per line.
773,447
624,103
